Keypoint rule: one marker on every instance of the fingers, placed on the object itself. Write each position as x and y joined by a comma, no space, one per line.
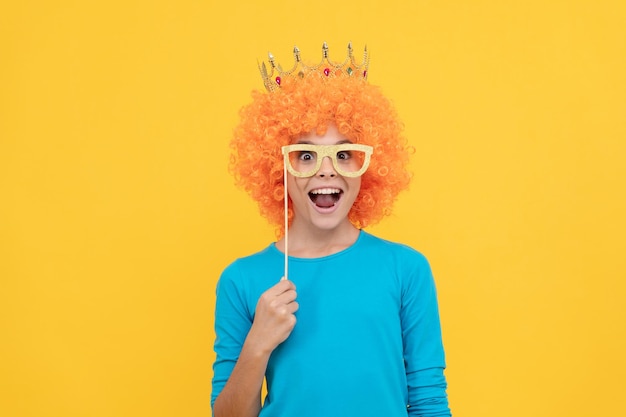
285,298
284,292
281,298
275,319
282,286
285,283
292,307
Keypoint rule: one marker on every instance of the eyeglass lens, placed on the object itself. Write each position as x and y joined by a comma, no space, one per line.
345,160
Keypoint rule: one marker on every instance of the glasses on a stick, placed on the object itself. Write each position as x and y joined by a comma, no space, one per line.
349,159
304,160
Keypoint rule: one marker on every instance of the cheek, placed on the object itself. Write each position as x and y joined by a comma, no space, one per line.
355,185
295,187
292,184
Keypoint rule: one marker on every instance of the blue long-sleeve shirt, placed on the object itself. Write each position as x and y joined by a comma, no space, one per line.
367,341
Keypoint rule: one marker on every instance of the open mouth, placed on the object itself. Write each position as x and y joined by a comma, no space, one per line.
325,197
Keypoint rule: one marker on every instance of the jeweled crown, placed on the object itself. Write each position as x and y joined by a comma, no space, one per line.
326,68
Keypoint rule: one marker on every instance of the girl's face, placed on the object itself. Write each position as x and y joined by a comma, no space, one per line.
322,201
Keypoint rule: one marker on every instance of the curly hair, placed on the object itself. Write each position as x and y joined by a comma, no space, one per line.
360,112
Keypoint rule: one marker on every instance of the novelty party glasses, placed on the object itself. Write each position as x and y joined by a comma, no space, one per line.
305,160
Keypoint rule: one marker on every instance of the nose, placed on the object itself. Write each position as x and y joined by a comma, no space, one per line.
326,169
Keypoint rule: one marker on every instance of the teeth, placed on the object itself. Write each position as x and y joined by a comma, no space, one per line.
326,191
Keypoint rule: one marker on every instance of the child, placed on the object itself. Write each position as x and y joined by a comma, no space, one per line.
361,337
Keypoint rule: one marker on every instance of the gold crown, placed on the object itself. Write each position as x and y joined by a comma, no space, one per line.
349,67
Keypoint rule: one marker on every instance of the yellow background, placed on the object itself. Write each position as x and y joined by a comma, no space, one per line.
117,213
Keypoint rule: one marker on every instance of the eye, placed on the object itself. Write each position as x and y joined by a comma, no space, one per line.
306,156
343,155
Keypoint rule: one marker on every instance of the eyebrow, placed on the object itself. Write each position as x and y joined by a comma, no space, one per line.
308,142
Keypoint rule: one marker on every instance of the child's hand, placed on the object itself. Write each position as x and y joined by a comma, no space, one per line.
274,318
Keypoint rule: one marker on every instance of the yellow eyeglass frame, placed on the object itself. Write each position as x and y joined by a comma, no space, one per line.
330,151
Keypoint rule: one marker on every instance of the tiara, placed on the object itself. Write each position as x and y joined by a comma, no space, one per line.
349,67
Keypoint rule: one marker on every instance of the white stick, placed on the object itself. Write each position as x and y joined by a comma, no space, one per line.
286,218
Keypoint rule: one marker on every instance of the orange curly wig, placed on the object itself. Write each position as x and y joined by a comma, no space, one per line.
361,113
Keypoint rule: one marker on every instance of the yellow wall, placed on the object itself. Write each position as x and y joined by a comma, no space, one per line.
117,214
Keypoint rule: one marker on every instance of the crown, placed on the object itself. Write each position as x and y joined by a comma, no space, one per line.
327,68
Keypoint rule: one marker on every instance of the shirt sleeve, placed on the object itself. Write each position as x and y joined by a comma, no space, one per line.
232,324
423,348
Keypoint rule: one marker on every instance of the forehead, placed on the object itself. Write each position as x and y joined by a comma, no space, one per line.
331,137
